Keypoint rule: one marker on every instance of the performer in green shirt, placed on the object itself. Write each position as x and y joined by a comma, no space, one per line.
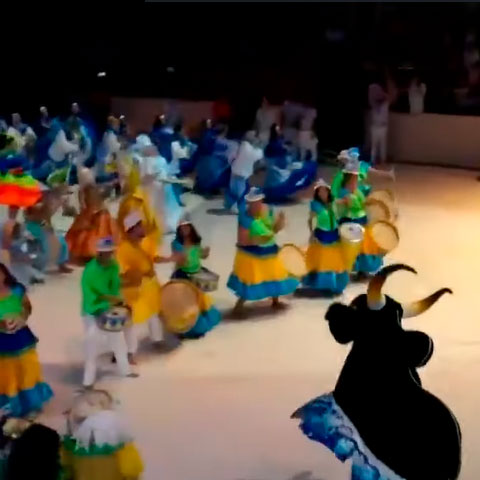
100,292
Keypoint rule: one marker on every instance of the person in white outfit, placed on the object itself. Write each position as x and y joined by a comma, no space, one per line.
22,133
242,169
100,292
416,96
378,100
307,140
266,116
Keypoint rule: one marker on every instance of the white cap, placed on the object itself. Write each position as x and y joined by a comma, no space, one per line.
254,195
185,220
143,141
105,244
132,219
321,183
343,155
352,166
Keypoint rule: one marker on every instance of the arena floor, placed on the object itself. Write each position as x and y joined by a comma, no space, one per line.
218,408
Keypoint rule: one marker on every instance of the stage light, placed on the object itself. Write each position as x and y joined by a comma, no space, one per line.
101,74
170,70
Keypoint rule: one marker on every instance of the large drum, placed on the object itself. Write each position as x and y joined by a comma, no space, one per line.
388,199
293,258
385,236
205,280
376,210
351,239
180,300
113,320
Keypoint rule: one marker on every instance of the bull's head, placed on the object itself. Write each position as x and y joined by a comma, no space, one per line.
379,312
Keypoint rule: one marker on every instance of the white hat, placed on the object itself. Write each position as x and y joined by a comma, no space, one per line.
132,219
352,166
254,195
143,141
344,155
105,244
321,183
185,220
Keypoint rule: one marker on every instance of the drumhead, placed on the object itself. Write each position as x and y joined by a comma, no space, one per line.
351,232
88,403
385,235
377,210
293,259
180,305
387,197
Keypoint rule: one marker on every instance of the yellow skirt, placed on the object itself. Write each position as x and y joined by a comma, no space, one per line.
123,464
259,276
144,301
369,247
22,388
325,258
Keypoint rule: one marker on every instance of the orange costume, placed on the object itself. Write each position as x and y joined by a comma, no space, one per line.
93,222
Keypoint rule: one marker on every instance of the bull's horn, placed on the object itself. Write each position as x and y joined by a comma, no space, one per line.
375,297
416,308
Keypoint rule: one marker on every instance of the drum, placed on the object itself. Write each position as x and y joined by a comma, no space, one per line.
113,320
180,305
293,258
11,324
205,280
385,236
351,239
387,197
376,210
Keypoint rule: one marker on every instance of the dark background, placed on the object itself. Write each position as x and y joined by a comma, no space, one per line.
321,54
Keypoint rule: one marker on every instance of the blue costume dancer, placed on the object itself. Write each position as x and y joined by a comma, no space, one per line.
283,179
213,171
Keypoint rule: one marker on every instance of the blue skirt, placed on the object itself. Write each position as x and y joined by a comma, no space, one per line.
299,179
323,421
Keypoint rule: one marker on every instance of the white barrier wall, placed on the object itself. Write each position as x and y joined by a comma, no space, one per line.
450,140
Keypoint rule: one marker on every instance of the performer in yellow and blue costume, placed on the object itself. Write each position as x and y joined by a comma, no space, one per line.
258,272
187,252
353,210
326,265
22,389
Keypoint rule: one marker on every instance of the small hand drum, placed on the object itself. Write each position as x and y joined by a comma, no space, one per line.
205,280
376,210
113,320
11,324
385,236
351,239
293,259
386,196
180,305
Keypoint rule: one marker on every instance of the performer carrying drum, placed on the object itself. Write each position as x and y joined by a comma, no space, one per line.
352,203
187,253
258,272
101,297
327,269
140,287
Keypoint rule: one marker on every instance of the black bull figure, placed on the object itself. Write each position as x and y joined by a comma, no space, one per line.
404,426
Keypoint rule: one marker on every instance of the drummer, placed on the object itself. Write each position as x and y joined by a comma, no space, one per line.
100,292
187,253
349,158
327,270
257,271
352,204
140,287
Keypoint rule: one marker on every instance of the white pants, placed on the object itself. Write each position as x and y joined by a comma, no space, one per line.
379,144
155,332
98,342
